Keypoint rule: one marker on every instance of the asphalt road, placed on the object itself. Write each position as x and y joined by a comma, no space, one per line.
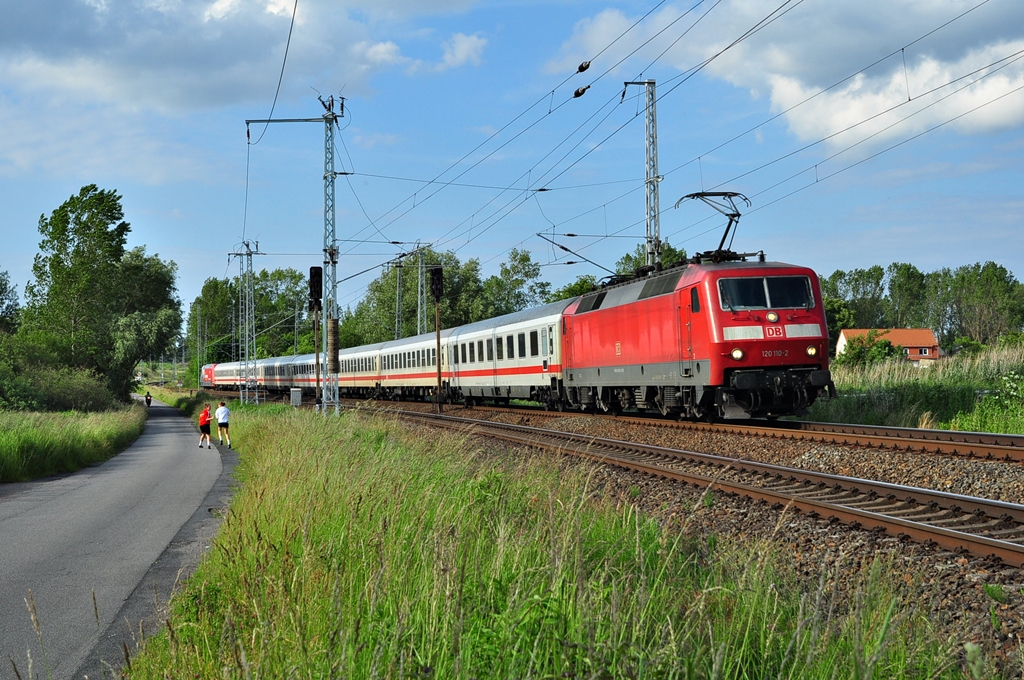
122,530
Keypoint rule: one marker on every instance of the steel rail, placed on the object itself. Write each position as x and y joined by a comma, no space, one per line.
916,514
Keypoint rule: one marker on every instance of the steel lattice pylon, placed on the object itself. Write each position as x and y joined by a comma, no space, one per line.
330,284
653,204
247,383
330,389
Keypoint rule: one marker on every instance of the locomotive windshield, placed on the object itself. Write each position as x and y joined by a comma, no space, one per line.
769,292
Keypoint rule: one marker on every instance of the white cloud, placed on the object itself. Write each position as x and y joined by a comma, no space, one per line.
462,49
817,44
221,9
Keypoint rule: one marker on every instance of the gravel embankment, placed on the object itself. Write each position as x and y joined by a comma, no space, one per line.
950,586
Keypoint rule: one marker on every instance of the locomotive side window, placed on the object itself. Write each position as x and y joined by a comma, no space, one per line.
534,350
500,346
510,347
522,345
694,300
778,292
490,349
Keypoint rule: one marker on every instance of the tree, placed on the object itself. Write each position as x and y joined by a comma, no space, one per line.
869,349
987,301
516,287
581,286
76,275
907,296
92,304
839,316
630,262
8,304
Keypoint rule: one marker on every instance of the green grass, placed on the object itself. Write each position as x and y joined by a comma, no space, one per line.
39,444
359,548
949,393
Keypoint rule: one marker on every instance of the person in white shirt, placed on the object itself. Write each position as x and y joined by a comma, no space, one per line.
222,414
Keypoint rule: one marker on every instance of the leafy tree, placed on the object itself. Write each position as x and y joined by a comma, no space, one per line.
582,285
630,262
864,292
868,349
987,301
517,286
907,296
839,316
92,304
8,304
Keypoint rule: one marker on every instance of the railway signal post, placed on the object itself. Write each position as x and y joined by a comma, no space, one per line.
437,291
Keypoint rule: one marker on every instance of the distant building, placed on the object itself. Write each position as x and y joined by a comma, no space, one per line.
919,344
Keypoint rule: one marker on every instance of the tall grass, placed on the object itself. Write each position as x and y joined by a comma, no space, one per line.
354,550
38,444
896,393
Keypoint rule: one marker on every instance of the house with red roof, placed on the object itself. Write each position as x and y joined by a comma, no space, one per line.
919,344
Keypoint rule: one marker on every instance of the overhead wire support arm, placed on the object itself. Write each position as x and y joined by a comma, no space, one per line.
330,247
571,252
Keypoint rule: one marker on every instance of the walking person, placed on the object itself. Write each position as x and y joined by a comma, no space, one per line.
222,414
204,427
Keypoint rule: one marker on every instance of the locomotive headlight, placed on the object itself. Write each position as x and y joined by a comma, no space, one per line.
812,351
737,354
772,316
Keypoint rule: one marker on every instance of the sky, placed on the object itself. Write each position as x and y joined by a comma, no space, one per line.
863,132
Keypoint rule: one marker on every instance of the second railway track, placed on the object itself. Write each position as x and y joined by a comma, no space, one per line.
981,527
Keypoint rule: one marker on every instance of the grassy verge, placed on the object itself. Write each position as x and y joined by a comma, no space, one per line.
38,444
949,393
356,548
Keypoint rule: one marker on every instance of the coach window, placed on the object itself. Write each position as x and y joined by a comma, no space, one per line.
472,352
490,349
499,347
534,350
419,358
694,300
522,345
462,351
510,347
480,350
544,341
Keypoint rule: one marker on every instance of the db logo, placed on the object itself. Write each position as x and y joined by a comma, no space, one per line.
773,332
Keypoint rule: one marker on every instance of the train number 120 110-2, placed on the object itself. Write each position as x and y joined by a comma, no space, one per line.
769,353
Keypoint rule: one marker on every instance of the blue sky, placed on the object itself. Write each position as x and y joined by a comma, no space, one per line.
149,97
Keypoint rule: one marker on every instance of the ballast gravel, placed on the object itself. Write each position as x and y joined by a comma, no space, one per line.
970,599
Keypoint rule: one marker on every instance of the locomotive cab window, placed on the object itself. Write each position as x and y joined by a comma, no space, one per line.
772,292
694,300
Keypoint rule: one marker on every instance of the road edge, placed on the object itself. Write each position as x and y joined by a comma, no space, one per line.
143,613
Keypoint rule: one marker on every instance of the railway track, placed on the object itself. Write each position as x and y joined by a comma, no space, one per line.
972,445
969,445
980,527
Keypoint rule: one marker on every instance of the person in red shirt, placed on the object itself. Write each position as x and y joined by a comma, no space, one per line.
204,427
